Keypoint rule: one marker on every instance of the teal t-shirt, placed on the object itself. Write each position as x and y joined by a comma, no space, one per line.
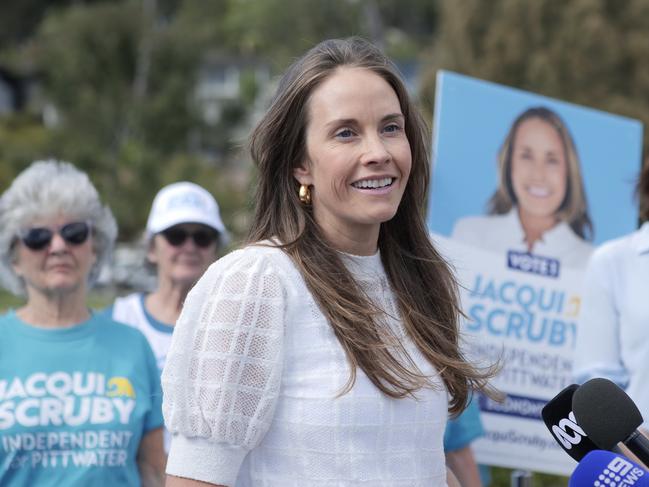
75,403
463,430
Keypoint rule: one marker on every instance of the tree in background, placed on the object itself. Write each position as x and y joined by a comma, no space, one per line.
117,81
591,52
119,76
121,81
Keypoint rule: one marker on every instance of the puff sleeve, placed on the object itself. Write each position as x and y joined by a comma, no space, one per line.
223,372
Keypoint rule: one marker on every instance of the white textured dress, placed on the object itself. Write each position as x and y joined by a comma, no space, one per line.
252,379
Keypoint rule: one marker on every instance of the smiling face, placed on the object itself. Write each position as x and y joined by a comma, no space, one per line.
185,263
60,267
358,157
538,169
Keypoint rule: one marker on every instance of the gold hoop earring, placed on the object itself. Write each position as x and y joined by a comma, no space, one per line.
305,194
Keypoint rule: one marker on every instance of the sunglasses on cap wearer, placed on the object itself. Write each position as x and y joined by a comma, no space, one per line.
37,238
177,236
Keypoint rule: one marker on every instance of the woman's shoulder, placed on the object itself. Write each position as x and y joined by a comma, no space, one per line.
623,247
257,257
612,262
264,250
250,269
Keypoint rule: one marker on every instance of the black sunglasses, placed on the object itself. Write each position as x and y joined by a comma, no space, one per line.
202,238
38,238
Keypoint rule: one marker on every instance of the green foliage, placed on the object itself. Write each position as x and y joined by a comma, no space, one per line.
501,477
97,299
262,26
116,76
590,52
121,75
20,18
120,81
280,30
22,138
9,301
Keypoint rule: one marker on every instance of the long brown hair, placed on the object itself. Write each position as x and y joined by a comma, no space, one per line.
574,207
421,280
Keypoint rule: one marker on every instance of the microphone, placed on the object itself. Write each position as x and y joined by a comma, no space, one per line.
605,469
609,416
558,417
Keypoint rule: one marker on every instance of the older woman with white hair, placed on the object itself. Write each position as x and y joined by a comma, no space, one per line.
80,400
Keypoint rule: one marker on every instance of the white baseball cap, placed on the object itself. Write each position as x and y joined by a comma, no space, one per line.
185,202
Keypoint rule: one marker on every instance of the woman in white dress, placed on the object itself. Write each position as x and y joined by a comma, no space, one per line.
325,352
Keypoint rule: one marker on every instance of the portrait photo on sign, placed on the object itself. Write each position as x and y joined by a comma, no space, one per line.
524,188
518,171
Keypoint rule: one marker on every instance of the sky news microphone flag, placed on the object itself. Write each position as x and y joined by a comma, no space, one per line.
606,469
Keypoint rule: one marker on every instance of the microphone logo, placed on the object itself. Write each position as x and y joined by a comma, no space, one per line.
618,473
568,432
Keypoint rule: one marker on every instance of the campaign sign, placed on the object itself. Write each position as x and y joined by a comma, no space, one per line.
524,188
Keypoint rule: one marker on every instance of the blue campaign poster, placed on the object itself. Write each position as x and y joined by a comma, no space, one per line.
524,187
472,120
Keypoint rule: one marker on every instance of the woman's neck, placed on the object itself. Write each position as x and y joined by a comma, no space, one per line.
535,226
54,311
355,239
166,302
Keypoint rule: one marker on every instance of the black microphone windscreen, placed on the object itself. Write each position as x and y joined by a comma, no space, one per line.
605,412
558,417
